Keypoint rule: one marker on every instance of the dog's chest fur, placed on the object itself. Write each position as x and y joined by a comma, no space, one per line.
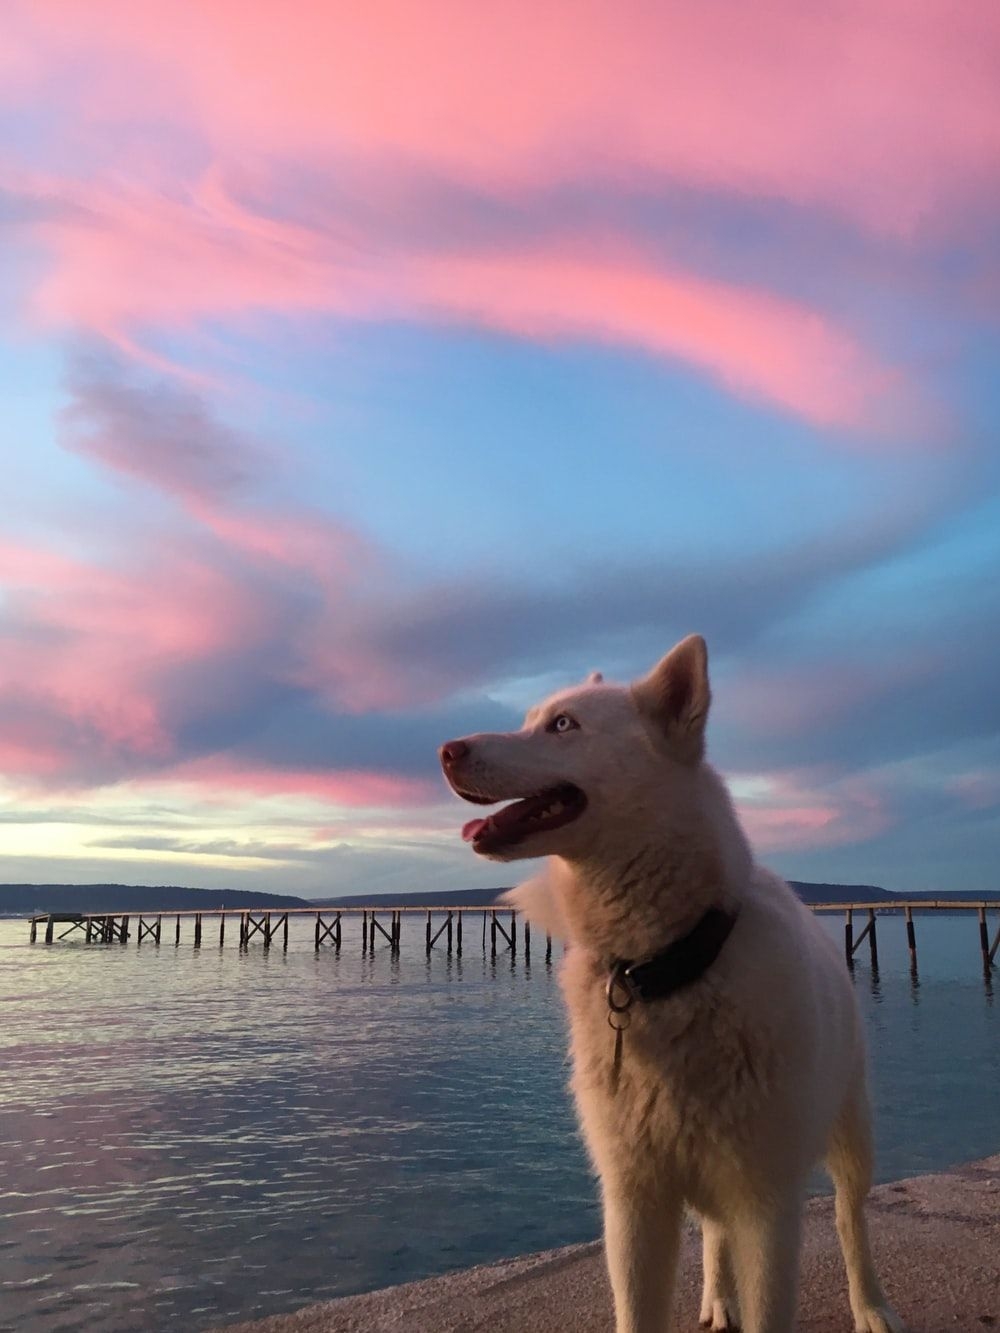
689,1087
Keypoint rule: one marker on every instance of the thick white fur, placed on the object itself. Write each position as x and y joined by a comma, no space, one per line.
730,1091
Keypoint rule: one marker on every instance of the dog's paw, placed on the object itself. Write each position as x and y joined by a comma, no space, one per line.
720,1318
878,1319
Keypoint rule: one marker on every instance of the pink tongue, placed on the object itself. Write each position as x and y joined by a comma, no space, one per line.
470,829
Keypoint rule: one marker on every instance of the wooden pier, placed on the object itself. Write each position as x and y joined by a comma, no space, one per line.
444,927
988,949
381,927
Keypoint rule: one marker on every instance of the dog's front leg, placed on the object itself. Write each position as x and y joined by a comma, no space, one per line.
642,1227
765,1243
718,1298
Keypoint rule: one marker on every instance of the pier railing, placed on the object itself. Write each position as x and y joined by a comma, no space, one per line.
445,926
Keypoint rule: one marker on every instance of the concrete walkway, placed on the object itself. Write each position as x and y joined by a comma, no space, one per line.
937,1242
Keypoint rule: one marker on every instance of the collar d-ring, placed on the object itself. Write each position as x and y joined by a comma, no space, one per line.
619,990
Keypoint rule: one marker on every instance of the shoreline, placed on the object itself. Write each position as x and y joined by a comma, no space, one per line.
936,1240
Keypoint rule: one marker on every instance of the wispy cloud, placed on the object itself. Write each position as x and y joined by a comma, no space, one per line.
123,262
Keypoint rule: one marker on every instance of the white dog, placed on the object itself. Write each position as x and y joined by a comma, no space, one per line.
717,1051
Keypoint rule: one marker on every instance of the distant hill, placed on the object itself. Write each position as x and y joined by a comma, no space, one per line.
454,898
841,893
814,894
808,892
25,899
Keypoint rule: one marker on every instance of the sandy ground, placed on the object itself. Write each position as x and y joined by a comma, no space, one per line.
936,1238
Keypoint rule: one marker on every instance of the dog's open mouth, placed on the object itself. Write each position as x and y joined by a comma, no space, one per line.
546,810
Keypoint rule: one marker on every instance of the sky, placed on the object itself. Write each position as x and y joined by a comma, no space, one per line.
369,371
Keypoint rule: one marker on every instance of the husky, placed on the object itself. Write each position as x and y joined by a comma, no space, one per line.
716,1044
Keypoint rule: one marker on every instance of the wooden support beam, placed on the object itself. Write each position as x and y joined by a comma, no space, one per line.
548,948
327,930
995,946
849,936
197,930
177,931
444,926
387,935
222,928
527,939
861,938
493,934
508,938
459,935
254,926
872,939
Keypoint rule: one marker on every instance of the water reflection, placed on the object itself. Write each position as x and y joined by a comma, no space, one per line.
191,1137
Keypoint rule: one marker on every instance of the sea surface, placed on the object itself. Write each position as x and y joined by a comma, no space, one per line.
192,1137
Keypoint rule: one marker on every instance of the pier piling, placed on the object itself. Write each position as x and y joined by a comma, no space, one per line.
984,941
911,939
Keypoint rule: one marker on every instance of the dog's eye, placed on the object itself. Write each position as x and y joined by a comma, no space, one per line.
562,722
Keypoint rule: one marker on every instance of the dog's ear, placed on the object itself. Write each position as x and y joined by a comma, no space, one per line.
675,695
595,678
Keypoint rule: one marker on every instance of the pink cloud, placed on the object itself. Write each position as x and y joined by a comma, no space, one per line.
164,437
978,790
755,343
356,789
90,645
788,701
802,811
123,261
93,672
126,257
109,665
887,113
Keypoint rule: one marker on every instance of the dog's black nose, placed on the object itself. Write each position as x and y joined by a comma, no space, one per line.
452,751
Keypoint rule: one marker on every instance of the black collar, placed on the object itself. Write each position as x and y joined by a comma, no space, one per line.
678,965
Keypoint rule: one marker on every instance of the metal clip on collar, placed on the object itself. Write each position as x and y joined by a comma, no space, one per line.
620,992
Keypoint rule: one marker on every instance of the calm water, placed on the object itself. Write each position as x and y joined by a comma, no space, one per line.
189,1138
